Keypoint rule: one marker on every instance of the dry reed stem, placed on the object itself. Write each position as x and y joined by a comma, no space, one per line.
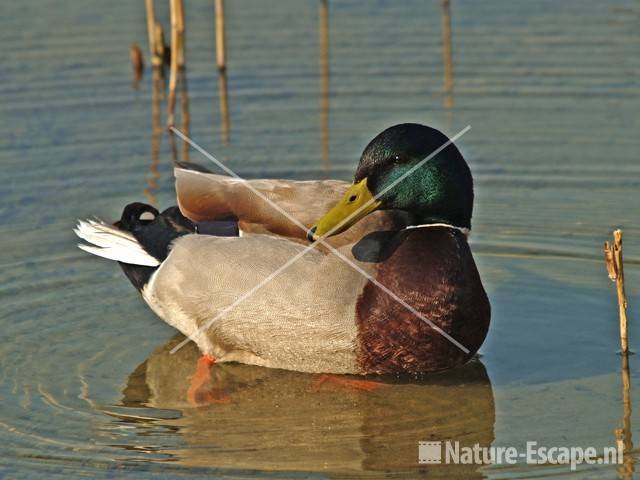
162,51
155,49
615,269
221,50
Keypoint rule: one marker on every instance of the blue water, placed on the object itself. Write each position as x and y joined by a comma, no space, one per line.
552,94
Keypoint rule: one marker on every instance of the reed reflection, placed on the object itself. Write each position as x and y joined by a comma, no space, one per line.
221,62
181,85
224,106
184,111
137,64
157,129
324,83
281,420
627,469
447,54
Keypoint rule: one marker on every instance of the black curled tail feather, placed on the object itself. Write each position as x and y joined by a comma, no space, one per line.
141,240
155,232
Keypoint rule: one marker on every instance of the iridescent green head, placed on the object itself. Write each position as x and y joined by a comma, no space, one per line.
398,170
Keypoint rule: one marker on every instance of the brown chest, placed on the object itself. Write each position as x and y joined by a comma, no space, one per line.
433,271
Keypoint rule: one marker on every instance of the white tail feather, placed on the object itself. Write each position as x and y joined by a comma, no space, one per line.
109,242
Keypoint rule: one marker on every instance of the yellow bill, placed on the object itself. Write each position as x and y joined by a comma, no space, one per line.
357,203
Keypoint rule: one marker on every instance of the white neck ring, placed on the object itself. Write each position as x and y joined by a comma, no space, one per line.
465,231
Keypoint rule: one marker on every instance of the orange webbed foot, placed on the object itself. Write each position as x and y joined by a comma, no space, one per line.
200,392
328,380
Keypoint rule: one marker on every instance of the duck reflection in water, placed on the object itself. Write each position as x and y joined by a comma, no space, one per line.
270,419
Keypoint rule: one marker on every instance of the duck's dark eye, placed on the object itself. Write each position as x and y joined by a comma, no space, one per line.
396,159
352,198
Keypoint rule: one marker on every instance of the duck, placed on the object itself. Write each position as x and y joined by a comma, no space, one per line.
371,277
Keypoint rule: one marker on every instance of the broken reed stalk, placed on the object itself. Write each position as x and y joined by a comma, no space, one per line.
137,63
446,47
177,55
151,25
162,51
221,49
613,258
154,48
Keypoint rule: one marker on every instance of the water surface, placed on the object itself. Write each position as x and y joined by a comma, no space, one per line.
551,92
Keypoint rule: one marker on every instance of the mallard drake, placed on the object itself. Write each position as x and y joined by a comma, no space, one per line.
402,295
